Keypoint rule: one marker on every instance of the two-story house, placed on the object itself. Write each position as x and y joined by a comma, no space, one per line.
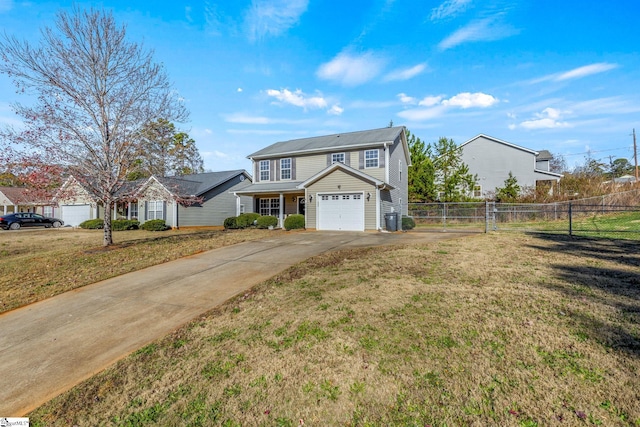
346,181
491,160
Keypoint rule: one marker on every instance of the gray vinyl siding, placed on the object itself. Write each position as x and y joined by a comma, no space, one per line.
218,204
398,171
348,183
492,161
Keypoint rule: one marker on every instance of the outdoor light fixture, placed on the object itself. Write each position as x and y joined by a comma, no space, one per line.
368,196
310,198
293,198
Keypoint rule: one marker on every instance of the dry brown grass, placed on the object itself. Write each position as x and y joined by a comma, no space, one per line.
38,264
499,329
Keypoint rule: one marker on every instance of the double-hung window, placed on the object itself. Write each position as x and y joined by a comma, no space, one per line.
285,169
337,158
155,209
48,211
133,214
371,159
264,170
270,207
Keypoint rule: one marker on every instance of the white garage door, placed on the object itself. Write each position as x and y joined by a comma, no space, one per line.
73,215
341,211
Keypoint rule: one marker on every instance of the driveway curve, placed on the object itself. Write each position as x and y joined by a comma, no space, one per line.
48,347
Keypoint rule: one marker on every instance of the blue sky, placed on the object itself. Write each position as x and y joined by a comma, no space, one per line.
555,75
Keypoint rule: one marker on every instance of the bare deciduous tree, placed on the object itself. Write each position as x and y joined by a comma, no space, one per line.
95,91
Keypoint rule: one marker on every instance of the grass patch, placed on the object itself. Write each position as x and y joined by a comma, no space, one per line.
498,336
44,263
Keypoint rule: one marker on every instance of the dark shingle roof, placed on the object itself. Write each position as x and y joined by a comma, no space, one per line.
197,184
544,155
331,142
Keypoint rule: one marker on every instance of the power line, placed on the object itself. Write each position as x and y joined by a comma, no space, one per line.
596,151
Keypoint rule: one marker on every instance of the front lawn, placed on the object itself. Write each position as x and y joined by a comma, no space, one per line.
500,329
38,264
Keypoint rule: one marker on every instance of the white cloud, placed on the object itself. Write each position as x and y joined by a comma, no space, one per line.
437,106
273,17
406,99
335,110
297,98
405,73
449,8
549,118
487,29
468,100
429,101
420,114
577,73
215,154
239,89
351,70
246,119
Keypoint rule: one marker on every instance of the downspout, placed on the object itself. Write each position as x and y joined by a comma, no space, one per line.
378,202
175,215
386,163
237,203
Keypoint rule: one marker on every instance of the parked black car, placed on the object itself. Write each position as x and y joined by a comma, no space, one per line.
26,219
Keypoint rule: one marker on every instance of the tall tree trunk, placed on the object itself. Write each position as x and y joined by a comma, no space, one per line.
108,237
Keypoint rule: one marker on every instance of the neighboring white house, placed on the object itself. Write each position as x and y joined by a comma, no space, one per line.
346,181
491,160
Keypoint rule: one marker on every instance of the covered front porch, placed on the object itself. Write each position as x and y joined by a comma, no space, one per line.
276,199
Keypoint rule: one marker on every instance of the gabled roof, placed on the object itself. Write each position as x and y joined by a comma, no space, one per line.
192,185
535,153
347,169
25,196
339,141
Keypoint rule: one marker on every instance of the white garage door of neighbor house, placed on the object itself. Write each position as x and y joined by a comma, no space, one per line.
73,215
341,211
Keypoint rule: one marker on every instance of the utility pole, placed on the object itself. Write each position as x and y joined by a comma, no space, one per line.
635,154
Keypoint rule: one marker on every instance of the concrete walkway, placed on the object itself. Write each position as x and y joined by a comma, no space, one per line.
48,347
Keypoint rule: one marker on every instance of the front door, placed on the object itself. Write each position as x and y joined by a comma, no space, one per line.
301,205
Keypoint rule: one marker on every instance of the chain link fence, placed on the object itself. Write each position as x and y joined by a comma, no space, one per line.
613,216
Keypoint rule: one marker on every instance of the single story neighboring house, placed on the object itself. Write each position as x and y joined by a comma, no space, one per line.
491,160
20,199
204,199
345,181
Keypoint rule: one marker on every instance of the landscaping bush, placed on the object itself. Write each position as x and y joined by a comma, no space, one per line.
154,225
92,224
293,222
267,221
246,220
231,223
124,224
408,223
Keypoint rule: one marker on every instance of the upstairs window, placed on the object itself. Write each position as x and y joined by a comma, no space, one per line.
264,170
285,169
337,158
371,159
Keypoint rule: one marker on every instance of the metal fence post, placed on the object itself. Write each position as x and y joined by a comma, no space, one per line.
486,216
570,220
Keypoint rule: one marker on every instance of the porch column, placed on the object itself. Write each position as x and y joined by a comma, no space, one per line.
5,209
129,210
281,219
115,211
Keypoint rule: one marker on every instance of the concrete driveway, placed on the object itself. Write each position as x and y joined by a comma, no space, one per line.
48,347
